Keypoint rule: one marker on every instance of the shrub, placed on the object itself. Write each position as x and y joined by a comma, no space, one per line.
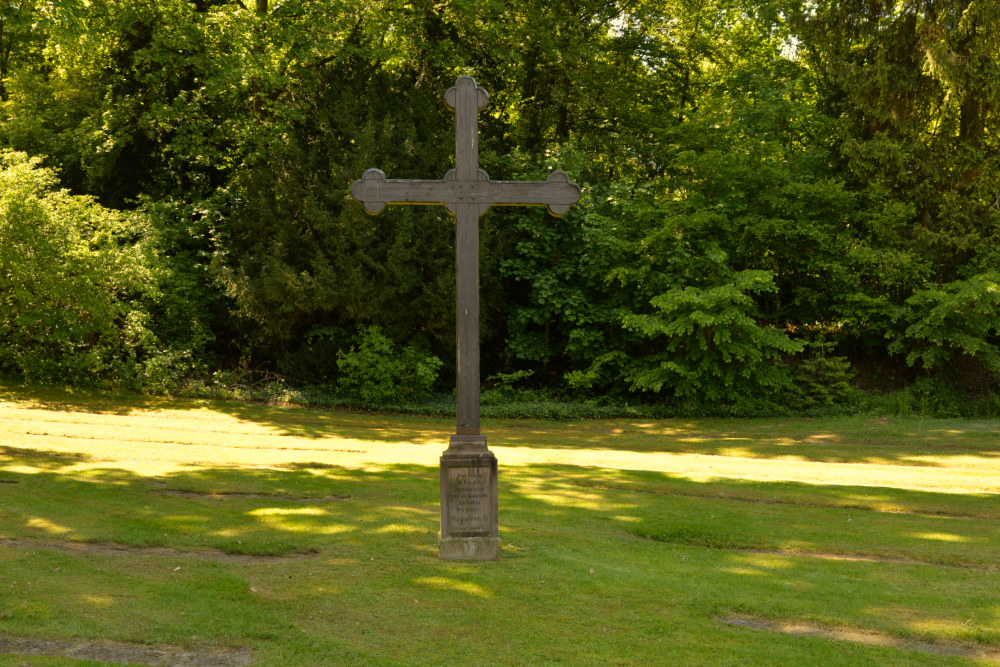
821,382
377,372
77,285
71,281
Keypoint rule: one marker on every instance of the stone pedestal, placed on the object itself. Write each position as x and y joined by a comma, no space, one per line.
469,508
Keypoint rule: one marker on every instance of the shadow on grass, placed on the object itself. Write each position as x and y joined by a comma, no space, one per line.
784,517
41,459
85,400
329,423
235,510
261,511
313,423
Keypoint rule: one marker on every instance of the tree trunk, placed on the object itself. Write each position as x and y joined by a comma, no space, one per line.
4,61
971,130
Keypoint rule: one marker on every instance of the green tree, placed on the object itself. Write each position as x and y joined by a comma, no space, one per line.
712,348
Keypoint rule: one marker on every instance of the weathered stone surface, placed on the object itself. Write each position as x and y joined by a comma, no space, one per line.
469,506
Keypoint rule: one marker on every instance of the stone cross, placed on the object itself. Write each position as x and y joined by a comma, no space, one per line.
469,511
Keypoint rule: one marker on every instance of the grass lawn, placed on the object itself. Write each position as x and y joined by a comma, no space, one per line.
226,533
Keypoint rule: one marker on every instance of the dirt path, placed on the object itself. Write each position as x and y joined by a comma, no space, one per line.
121,652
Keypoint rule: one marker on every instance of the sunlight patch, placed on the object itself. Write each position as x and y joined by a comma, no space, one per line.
769,561
98,601
445,583
940,626
862,636
22,469
299,520
940,537
50,527
743,571
288,511
562,498
398,528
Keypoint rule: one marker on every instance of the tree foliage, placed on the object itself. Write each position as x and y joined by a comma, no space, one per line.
713,349
759,179
76,280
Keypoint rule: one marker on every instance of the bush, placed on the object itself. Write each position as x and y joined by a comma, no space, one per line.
68,283
375,371
822,382
76,284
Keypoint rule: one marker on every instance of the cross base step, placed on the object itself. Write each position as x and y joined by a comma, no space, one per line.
469,548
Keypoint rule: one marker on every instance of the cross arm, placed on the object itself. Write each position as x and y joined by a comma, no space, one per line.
556,192
374,190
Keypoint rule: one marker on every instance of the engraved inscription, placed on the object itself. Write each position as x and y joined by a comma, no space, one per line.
469,499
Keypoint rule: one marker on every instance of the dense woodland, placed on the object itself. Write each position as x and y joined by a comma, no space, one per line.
784,201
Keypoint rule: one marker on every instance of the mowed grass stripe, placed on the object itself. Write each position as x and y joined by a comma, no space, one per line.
210,425
862,440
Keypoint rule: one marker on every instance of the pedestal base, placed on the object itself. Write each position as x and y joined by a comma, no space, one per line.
469,512
469,548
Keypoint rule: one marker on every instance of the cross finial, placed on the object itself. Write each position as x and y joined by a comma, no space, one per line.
466,85
466,99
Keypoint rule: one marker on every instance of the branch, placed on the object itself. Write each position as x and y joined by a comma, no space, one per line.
351,39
